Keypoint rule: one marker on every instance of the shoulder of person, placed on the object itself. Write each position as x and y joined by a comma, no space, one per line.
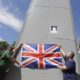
72,61
6,52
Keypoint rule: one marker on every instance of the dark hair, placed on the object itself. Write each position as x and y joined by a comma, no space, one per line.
10,47
72,54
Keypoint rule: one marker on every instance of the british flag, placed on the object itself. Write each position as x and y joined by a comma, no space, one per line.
41,56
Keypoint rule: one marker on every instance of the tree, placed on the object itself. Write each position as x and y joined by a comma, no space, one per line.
3,45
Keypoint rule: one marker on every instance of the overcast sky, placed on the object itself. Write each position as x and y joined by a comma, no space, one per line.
12,15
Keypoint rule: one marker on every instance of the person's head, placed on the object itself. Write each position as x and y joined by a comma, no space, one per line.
70,54
11,48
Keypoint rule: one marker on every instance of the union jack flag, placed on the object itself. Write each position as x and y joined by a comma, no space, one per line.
41,56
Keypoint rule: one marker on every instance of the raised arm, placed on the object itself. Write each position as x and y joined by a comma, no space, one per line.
17,48
13,60
62,51
64,67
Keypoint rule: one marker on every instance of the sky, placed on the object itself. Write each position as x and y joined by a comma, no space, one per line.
76,16
12,16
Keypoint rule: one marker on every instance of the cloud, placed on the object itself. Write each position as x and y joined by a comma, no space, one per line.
1,39
9,19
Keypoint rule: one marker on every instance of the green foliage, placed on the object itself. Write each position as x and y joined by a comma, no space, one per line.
3,45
